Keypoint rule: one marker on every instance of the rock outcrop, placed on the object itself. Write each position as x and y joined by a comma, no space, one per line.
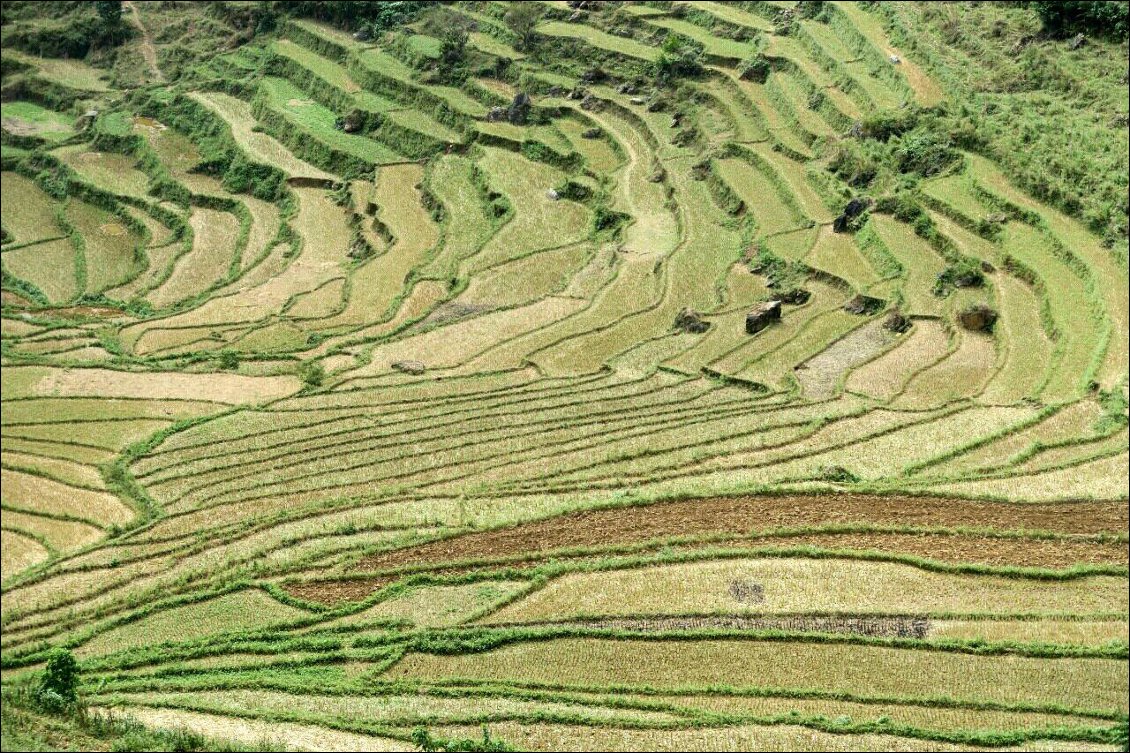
761,316
978,318
689,320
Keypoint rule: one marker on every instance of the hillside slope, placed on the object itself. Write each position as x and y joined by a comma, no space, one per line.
608,375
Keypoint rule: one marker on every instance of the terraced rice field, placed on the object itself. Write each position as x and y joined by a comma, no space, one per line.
328,433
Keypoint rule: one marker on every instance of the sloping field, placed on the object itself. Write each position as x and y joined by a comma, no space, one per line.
564,376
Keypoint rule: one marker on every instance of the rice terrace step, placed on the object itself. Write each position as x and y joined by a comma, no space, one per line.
588,375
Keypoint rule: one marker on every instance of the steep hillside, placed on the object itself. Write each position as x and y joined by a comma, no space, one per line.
608,375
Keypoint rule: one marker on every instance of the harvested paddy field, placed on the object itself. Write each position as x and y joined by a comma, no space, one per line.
564,376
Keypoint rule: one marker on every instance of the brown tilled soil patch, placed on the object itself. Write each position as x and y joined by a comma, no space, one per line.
739,515
76,312
336,591
882,627
21,127
982,550
9,298
446,314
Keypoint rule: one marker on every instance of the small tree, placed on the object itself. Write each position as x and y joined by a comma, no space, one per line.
313,374
452,30
58,687
110,12
523,18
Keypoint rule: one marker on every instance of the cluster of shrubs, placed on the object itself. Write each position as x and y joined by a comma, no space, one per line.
1101,19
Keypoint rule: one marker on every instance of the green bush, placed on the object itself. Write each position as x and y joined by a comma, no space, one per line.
853,165
229,360
58,686
755,69
1101,19
425,741
679,59
924,152
313,374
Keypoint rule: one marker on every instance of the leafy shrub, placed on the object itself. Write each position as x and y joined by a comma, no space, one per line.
814,10
58,686
608,221
229,360
425,741
837,475
902,205
678,59
74,39
924,153
261,181
313,374
779,273
755,69
964,274
1101,19
371,18
851,164
573,191
887,124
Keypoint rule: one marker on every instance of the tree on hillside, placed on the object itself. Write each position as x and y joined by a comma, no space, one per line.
453,34
1101,19
522,18
453,30
110,12
58,687
677,59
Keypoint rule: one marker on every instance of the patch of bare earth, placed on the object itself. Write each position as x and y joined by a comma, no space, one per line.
446,313
337,591
255,732
740,515
820,375
222,388
21,127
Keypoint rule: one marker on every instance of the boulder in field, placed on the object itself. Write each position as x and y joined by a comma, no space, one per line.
978,318
689,320
519,109
864,305
591,133
761,316
353,121
408,367
795,296
853,210
593,75
896,322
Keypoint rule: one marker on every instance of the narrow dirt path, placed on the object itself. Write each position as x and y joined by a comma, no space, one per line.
148,51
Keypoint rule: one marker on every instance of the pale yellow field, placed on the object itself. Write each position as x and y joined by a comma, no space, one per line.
804,585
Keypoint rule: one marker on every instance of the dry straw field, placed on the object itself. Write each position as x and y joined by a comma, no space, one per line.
672,376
